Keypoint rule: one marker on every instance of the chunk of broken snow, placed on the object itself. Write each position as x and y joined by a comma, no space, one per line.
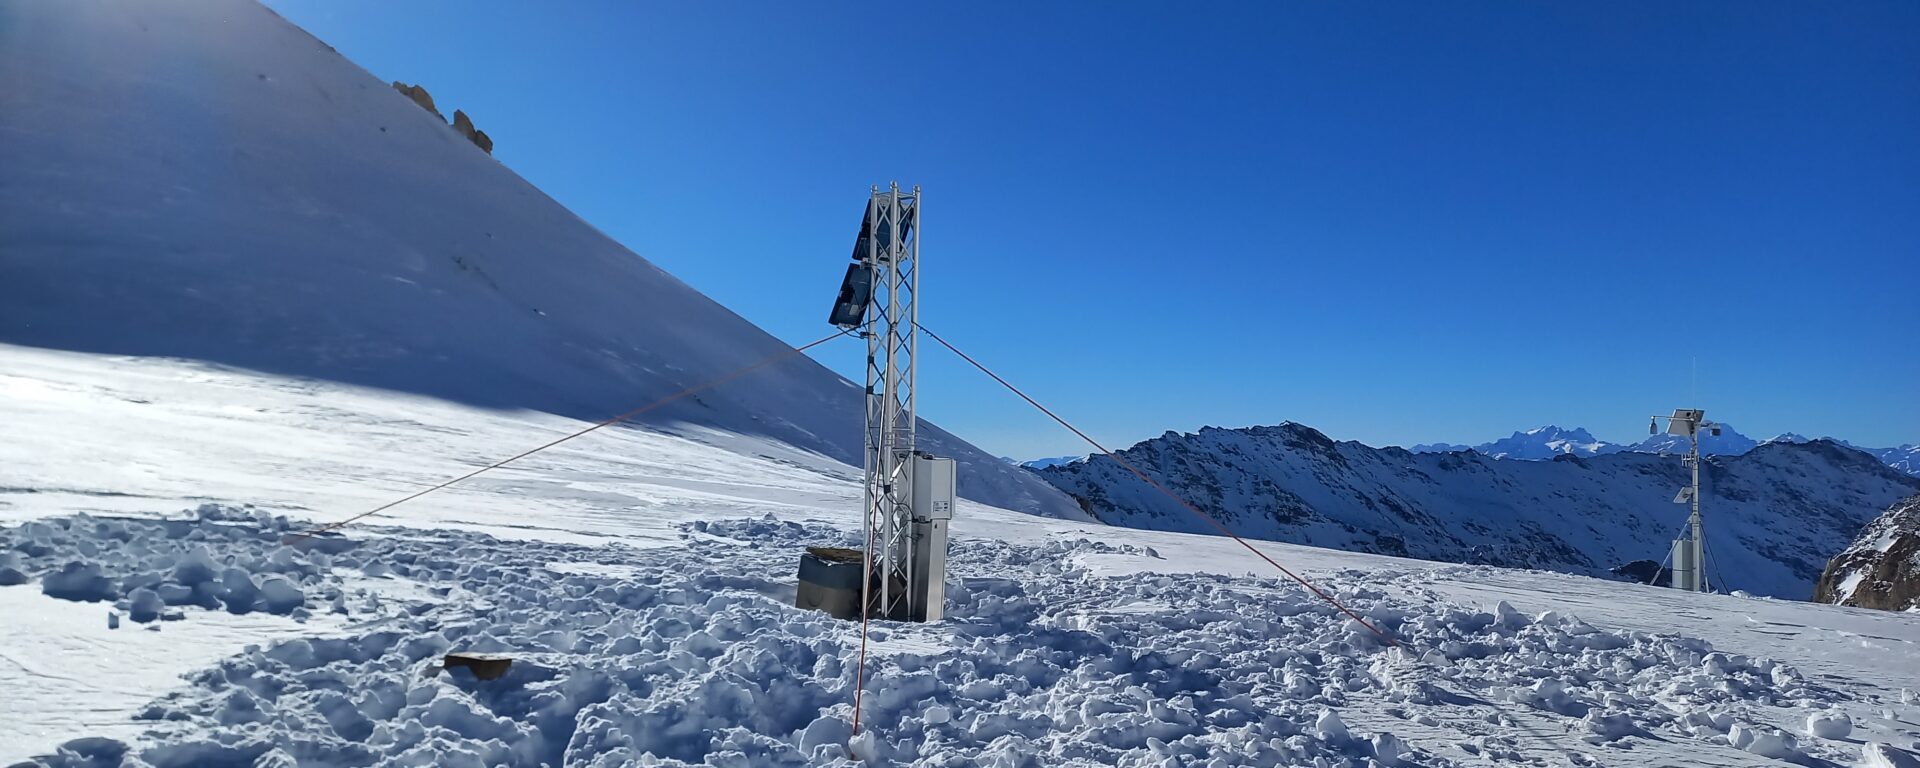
280,595
1829,725
1762,742
1505,615
78,581
1330,727
1387,749
1608,726
238,591
144,605
1876,755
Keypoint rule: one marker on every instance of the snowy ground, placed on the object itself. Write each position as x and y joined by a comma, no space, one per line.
644,582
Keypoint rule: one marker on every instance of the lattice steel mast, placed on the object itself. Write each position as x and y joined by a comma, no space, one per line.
880,297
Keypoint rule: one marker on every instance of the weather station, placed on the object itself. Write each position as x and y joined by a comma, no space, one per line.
909,494
1690,549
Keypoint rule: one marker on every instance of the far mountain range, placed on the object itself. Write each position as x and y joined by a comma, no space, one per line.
1549,441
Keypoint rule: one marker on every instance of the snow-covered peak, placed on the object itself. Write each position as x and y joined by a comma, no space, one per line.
1547,442
1728,443
1905,458
1543,442
1052,461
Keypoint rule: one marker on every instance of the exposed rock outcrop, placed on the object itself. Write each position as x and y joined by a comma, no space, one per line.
1882,568
420,96
461,123
464,125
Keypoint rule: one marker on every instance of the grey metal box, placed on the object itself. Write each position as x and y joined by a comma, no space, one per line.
830,581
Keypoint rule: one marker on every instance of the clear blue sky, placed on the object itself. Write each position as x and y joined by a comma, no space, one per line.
1396,222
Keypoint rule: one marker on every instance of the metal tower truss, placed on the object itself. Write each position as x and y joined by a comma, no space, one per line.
889,247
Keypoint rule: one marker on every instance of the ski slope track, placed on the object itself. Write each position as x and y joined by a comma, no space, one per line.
210,182
232,306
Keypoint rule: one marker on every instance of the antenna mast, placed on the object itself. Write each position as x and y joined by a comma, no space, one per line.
1690,550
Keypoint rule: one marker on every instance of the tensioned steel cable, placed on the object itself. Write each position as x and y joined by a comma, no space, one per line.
702,386
1329,599
1664,560
1163,489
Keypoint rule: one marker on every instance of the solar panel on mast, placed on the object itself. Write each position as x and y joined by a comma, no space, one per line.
908,497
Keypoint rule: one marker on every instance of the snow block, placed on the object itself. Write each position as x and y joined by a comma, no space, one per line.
237,590
1877,755
78,581
1829,725
144,605
280,595
1387,749
1329,727
1763,742
90,751
196,567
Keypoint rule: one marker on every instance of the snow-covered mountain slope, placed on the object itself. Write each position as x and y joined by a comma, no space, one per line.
645,595
1905,458
1775,515
1882,568
1547,442
1052,461
1550,441
204,180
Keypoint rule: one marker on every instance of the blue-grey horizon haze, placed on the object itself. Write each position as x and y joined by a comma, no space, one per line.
1398,223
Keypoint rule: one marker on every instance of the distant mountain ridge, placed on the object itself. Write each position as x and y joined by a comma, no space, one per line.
1550,441
1776,513
1547,442
1905,458
1052,461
